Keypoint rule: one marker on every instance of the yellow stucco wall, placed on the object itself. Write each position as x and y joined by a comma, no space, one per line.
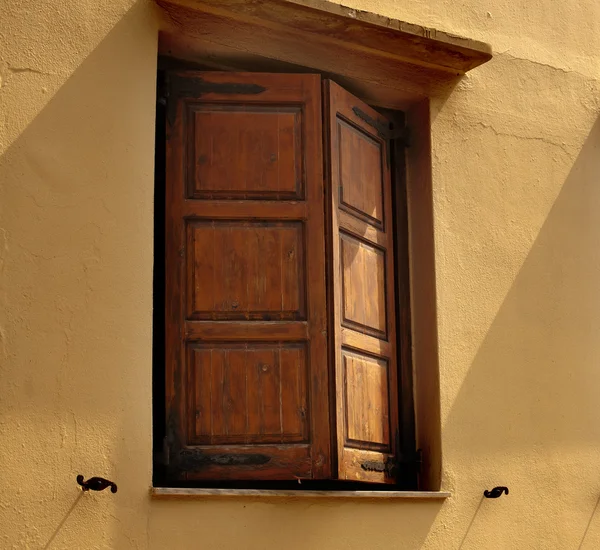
516,185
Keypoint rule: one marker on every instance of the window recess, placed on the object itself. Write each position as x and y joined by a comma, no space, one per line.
281,332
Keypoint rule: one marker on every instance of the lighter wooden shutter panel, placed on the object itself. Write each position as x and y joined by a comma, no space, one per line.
247,380
362,283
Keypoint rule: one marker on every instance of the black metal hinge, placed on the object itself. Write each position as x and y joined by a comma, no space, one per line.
385,130
392,465
177,86
389,466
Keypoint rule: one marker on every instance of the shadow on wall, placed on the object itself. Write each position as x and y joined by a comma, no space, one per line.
76,193
527,414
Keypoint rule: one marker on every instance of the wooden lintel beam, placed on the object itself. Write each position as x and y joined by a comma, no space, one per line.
364,32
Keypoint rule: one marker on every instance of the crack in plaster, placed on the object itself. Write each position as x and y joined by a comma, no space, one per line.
7,70
41,256
74,447
3,351
512,57
18,70
561,146
3,247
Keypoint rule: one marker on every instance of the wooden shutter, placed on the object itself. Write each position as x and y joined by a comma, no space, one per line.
247,380
362,283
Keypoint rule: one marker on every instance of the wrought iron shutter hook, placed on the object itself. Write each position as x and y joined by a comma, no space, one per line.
96,484
495,492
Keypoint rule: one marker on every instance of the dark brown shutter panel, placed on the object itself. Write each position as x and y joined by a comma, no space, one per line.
362,283
247,380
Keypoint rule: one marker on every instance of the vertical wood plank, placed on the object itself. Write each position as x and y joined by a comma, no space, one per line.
293,392
202,399
268,370
235,393
217,372
271,264
253,367
200,279
290,268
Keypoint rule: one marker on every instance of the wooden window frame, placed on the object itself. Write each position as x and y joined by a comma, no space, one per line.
408,478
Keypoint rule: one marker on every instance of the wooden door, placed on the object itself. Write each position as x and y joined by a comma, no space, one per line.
362,282
246,353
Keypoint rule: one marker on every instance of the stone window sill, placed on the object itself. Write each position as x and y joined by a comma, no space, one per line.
179,493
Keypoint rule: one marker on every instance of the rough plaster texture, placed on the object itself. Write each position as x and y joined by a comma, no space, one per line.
516,168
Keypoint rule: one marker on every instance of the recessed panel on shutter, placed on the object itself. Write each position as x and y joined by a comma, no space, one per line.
362,282
247,379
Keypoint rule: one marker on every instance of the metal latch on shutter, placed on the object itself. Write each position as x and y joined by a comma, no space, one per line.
392,465
195,459
195,87
191,459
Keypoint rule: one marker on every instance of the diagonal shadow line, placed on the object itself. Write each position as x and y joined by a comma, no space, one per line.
588,525
64,519
470,524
